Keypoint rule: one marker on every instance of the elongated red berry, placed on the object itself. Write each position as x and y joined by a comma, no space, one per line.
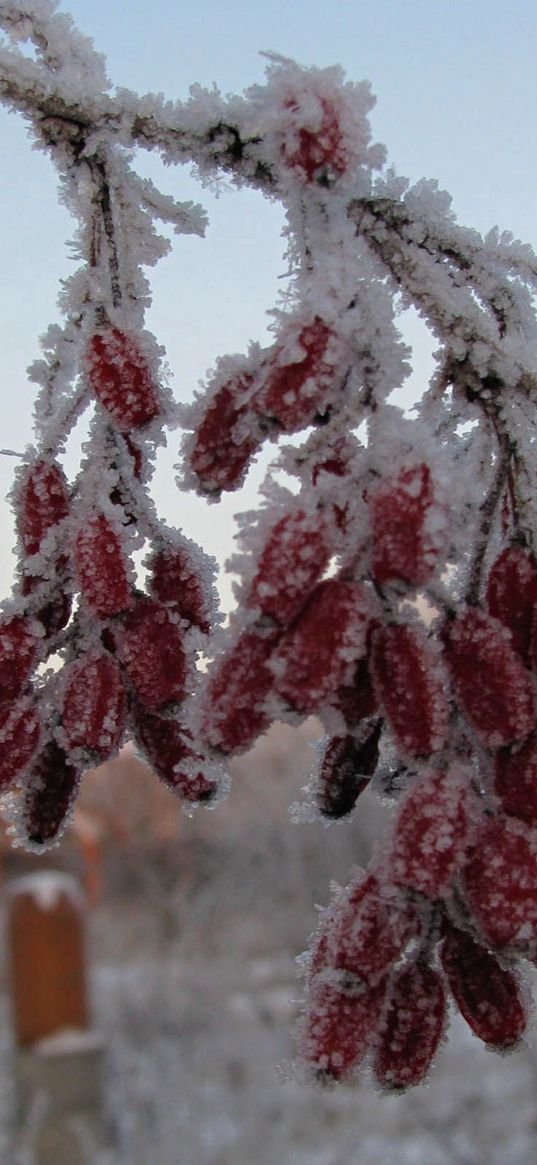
20,736
313,149
236,711
226,440
411,688
51,788
407,528
411,1027
512,595
295,555
367,930
52,606
357,700
495,690
318,655
18,654
120,378
101,567
151,648
489,996
295,394
346,769
500,880
339,1026
170,753
43,502
515,780
174,580
433,831
93,707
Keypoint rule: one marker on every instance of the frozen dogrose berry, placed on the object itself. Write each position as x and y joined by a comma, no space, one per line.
366,930
346,768
18,654
512,595
225,440
495,690
500,881
294,393
411,1027
170,753
120,378
411,688
174,581
339,1025
51,788
93,707
433,831
295,556
407,528
43,503
151,649
488,995
515,780
20,736
101,567
235,702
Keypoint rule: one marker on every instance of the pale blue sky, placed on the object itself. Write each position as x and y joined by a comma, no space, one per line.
456,88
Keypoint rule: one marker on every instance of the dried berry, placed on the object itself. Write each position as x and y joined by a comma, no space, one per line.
488,995
20,735
236,697
295,556
512,595
93,707
121,380
406,528
339,1026
318,655
500,880
174,580
494,688
433,831
151,648
169,750
346,769
18,655
225,442
51,788
44,502
101,567
411,688
295,395
411,1026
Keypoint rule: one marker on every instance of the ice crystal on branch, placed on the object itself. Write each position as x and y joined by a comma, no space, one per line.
391,592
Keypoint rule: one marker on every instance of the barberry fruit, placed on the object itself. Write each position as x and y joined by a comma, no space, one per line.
313,151
339,1025
500,881
367,930
151,648
410,687
169,751
101,567
225,441
43,503
512,595
346,769
236,697
18,654
411,1026
93,707
121,380
433,831
515,780
295,556
174,581
488,995
295,395
51,788
406,528
20,735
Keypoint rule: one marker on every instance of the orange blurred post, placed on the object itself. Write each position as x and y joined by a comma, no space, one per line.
46,944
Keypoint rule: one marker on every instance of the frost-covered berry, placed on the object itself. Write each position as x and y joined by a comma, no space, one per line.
101,567
18,654
411,688
43,503
338,1026
512,595
93,707
51,787
296,553
20,736
367,930
357,699
433,831
489,996
170,753
151,649
235,703
411,1027
54,609
296,394
225,440
495,690
121,380
346,768
313,149
174,581
500,882
318,655
407,528
515,780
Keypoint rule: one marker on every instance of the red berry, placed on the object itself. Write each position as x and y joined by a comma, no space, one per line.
367,930
54,609
500,881
346,770
173,580
488,995
93,707
433,831
318,655
512,595
339,1026
20,735
169,752
407,528
295,556
43,502
411,1027
311,151
18,654
101,567
225,441
494,688
294,394
120,378
515,780
357,700
236,697
152,651
411,688
51,788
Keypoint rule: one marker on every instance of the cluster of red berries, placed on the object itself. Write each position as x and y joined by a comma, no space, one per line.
127,659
